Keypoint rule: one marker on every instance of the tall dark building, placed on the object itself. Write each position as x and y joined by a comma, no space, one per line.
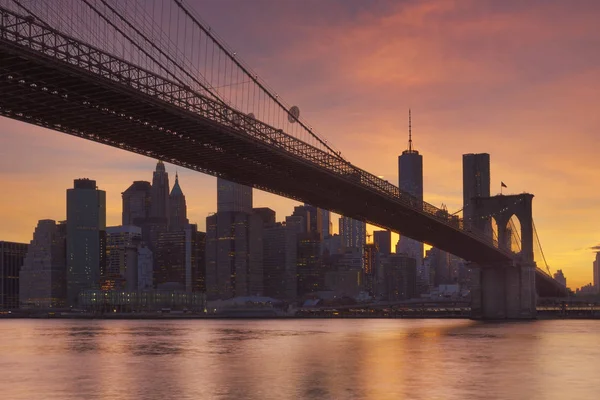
43,277
279,261
233,255
309,269
180,259
313,216
86,237
383,241
266,214
410,180
234,244
160,192
476,181
177,208
397,278
327,225
121,257
353,232
12,256
233,197
137,200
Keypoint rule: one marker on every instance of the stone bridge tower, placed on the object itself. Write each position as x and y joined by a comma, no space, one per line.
507,290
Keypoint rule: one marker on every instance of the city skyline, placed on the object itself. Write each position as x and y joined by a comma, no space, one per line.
522,125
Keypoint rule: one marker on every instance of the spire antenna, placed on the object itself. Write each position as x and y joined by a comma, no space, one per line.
409,131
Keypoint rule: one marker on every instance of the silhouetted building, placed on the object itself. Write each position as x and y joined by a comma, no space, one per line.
180,259
12,256
137,200
439,264
383,241
43,277
370,267
311,276
145,267
233,197
333,245
313,216
476,181
280,249
327,224
234,244
596,266
86,238
560,277
353,232
121,257
177,208
266,215
397,278
160,193
410,180
233,255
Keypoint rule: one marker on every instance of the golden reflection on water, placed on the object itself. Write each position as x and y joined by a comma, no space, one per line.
298,359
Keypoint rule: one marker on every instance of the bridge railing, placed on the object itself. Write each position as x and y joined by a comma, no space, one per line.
24,31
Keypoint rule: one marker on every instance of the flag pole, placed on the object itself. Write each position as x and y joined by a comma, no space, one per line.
500,188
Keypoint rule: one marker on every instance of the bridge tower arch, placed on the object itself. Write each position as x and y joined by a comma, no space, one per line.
506,290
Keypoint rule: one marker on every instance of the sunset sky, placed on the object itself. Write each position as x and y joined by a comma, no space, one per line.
519,80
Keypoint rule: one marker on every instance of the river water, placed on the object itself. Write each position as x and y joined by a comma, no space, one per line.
299,359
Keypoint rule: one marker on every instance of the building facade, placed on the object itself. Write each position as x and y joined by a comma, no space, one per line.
383,241
397,278
12,256
280,252
86,238
43,277
476,181
596,271
180,261
137,201
353,233
121,257
233,197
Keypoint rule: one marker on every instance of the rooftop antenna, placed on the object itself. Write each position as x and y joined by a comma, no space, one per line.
409,132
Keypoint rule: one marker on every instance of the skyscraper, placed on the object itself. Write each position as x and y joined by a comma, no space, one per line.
137,200
177,208
43,277
11,259
597,272
313,217
180,258
353,233
280,244
383,241
160,193
410,180
121,256
86,237
560,277
233,197
327,225
234,244
476,181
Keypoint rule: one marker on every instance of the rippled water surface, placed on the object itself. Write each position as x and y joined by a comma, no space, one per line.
299,359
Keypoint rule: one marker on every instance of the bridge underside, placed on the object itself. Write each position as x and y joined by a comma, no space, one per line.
40,90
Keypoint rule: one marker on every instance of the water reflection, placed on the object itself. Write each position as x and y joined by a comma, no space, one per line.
298,359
